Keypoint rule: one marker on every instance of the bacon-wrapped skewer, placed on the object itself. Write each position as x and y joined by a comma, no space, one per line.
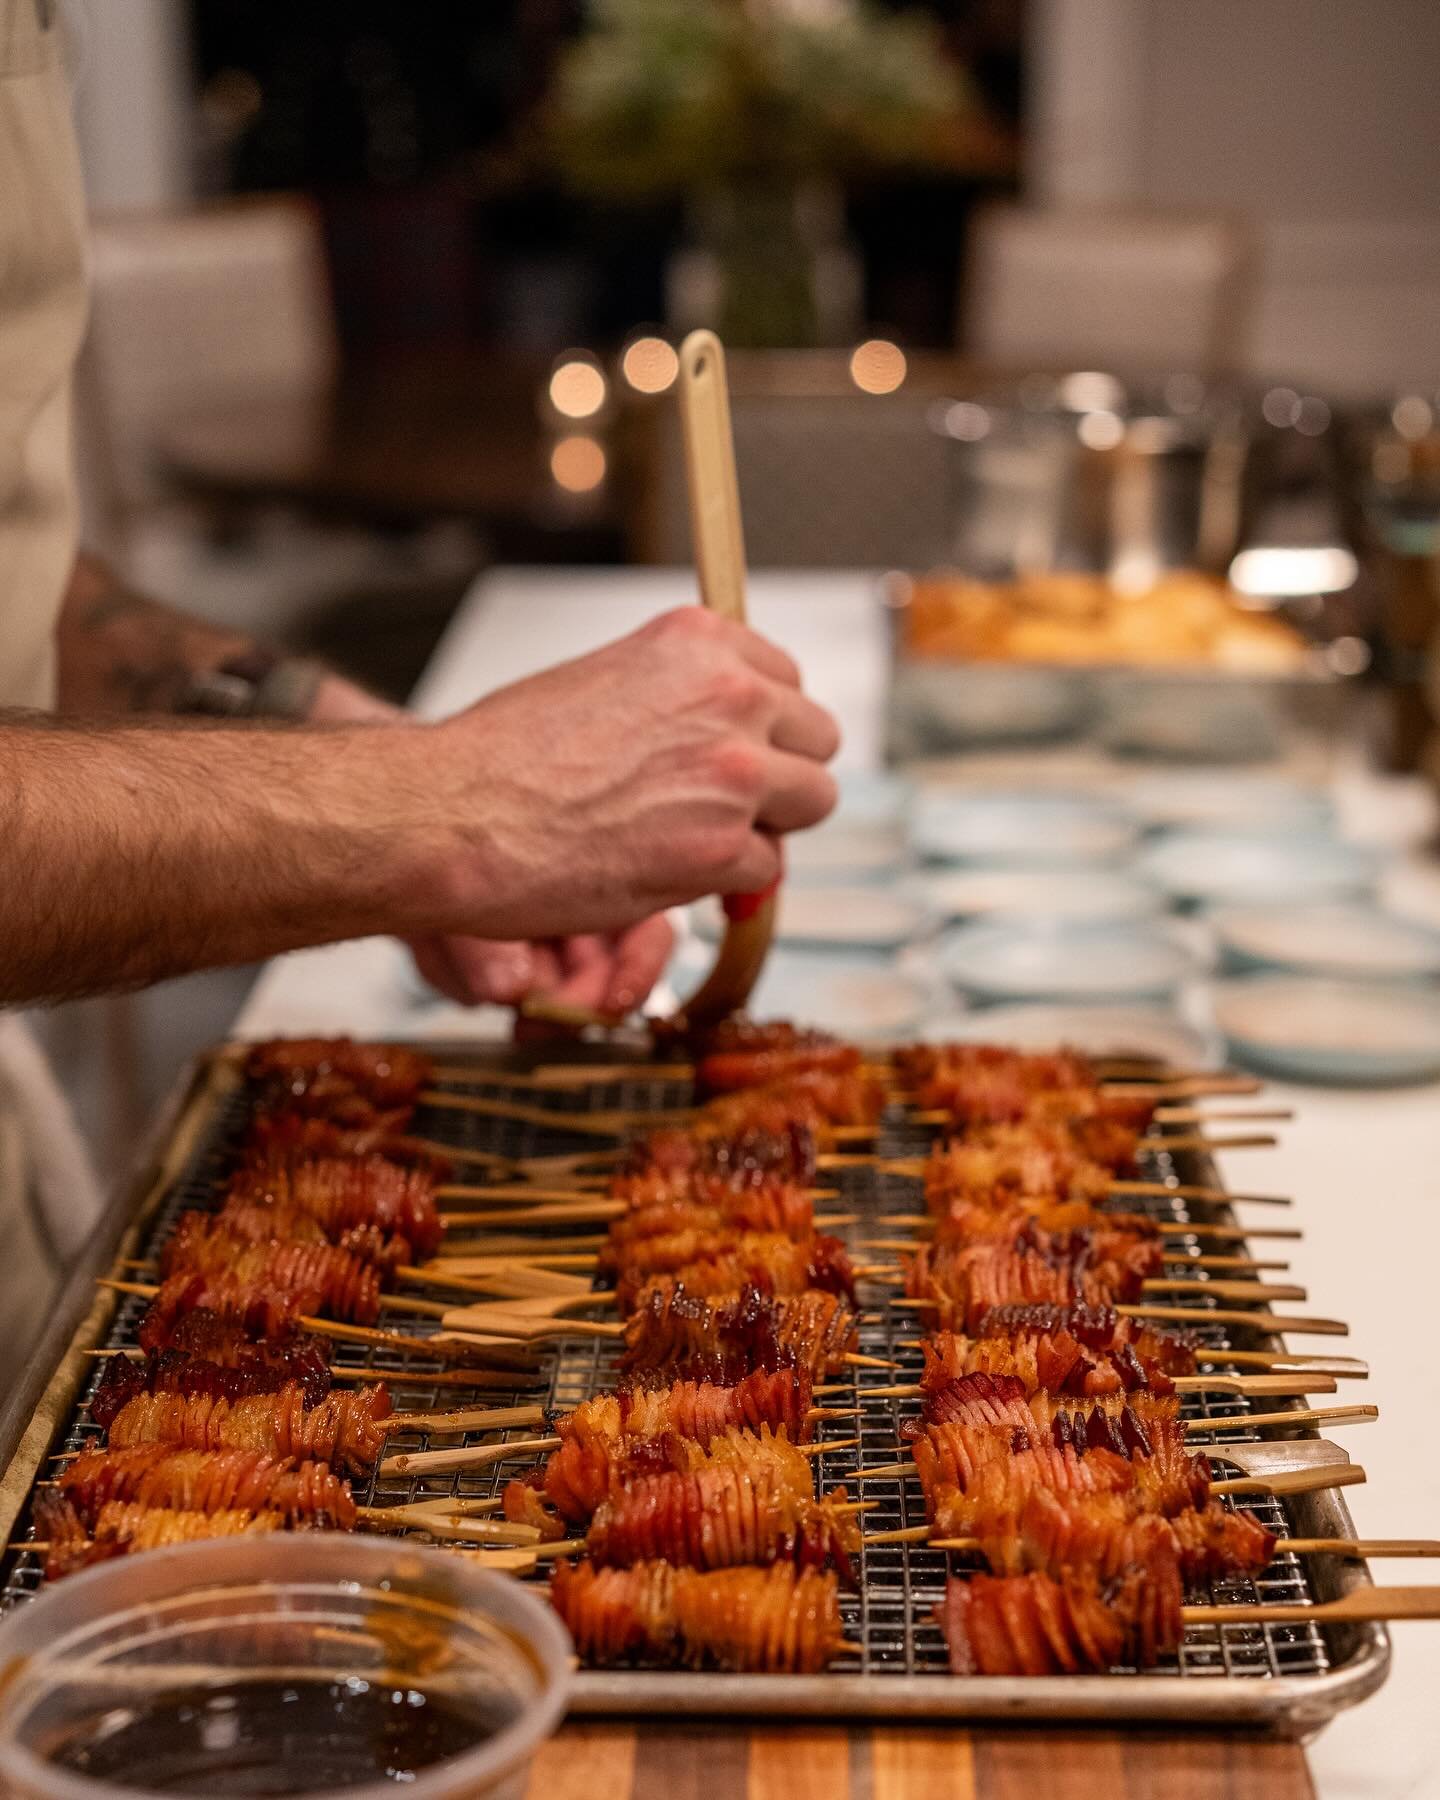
1053,1533
1012,1164
123,1530
349,1084
966,1281
673,1333
208,1481
1037,1625
280,1132
592,1464
744,1158
207,1243
819,1101
345,1428
723,1263
718,1516
262,1368
266,1287
708,1205
741,1054
1057,1361
775,1621
344,1192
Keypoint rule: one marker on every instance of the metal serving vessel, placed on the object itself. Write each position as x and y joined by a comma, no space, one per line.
1287,1679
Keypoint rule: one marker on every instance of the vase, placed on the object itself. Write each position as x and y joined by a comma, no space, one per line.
769,267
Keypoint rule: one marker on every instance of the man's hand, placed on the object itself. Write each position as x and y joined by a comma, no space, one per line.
663,767
610,975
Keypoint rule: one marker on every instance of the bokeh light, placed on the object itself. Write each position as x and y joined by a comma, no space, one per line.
578,464
650,365
877,366
577,388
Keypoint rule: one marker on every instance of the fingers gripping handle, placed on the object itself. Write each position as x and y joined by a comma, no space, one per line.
719,542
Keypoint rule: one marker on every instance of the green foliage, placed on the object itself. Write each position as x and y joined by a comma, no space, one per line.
669,95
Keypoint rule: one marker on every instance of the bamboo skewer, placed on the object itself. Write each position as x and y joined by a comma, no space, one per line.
1353,1547
1359,1606
1309,1479
1303,1416
1257,1386
1237,1291
1196,1115
1234,1265
1217,1234
482,1456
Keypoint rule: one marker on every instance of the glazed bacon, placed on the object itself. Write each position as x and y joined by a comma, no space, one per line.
345,1428
675,1334
284,1281
157,1475
279,1132
655,1210
775,1621
744,1158
123,1530
593,1463
1100,1328
244,1306
1013,1164
262,1369
967,1281
341,1193
721,1263
1055,1361
818,1100
1105,1533
1037,1625
349,1084
746,1497
741,1054
719,1516
207,1243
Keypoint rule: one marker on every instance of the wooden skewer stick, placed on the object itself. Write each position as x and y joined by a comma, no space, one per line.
333,1328
1365,1547
1199,1115
1267,1386
1299,1416
1287,1362
1272,1324
1164,1190
495,1418
1258,1140
1239,1291
1236,1265
1360,1605
1285,1481
482,1456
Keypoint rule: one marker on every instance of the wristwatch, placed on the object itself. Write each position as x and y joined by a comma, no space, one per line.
256,684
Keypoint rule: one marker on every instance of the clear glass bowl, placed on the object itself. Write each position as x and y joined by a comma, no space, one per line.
288,1665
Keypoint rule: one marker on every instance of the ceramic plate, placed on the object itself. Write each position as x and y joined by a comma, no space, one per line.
861,918
1140,1031
1346,1032
1230,802
1334,938
1078,895
1042,961
1224,868
1038,830
842,849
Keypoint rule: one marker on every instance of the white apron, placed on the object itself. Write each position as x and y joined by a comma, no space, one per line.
48,1197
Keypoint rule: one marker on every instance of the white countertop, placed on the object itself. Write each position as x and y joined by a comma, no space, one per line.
1364,1166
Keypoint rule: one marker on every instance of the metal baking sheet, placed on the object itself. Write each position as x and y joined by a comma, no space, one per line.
1287,1679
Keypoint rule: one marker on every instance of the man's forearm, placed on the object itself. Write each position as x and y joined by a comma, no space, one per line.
134,853
122,653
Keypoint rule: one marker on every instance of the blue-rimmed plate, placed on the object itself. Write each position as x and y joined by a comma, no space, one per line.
852,917
1347,1033
1042,961
1220,868
1104,1030
1077,896
1233,801
1336,938
1034,830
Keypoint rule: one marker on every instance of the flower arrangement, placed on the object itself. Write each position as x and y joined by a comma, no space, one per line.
665,96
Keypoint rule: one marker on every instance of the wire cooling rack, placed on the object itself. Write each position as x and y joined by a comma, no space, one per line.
890,1616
